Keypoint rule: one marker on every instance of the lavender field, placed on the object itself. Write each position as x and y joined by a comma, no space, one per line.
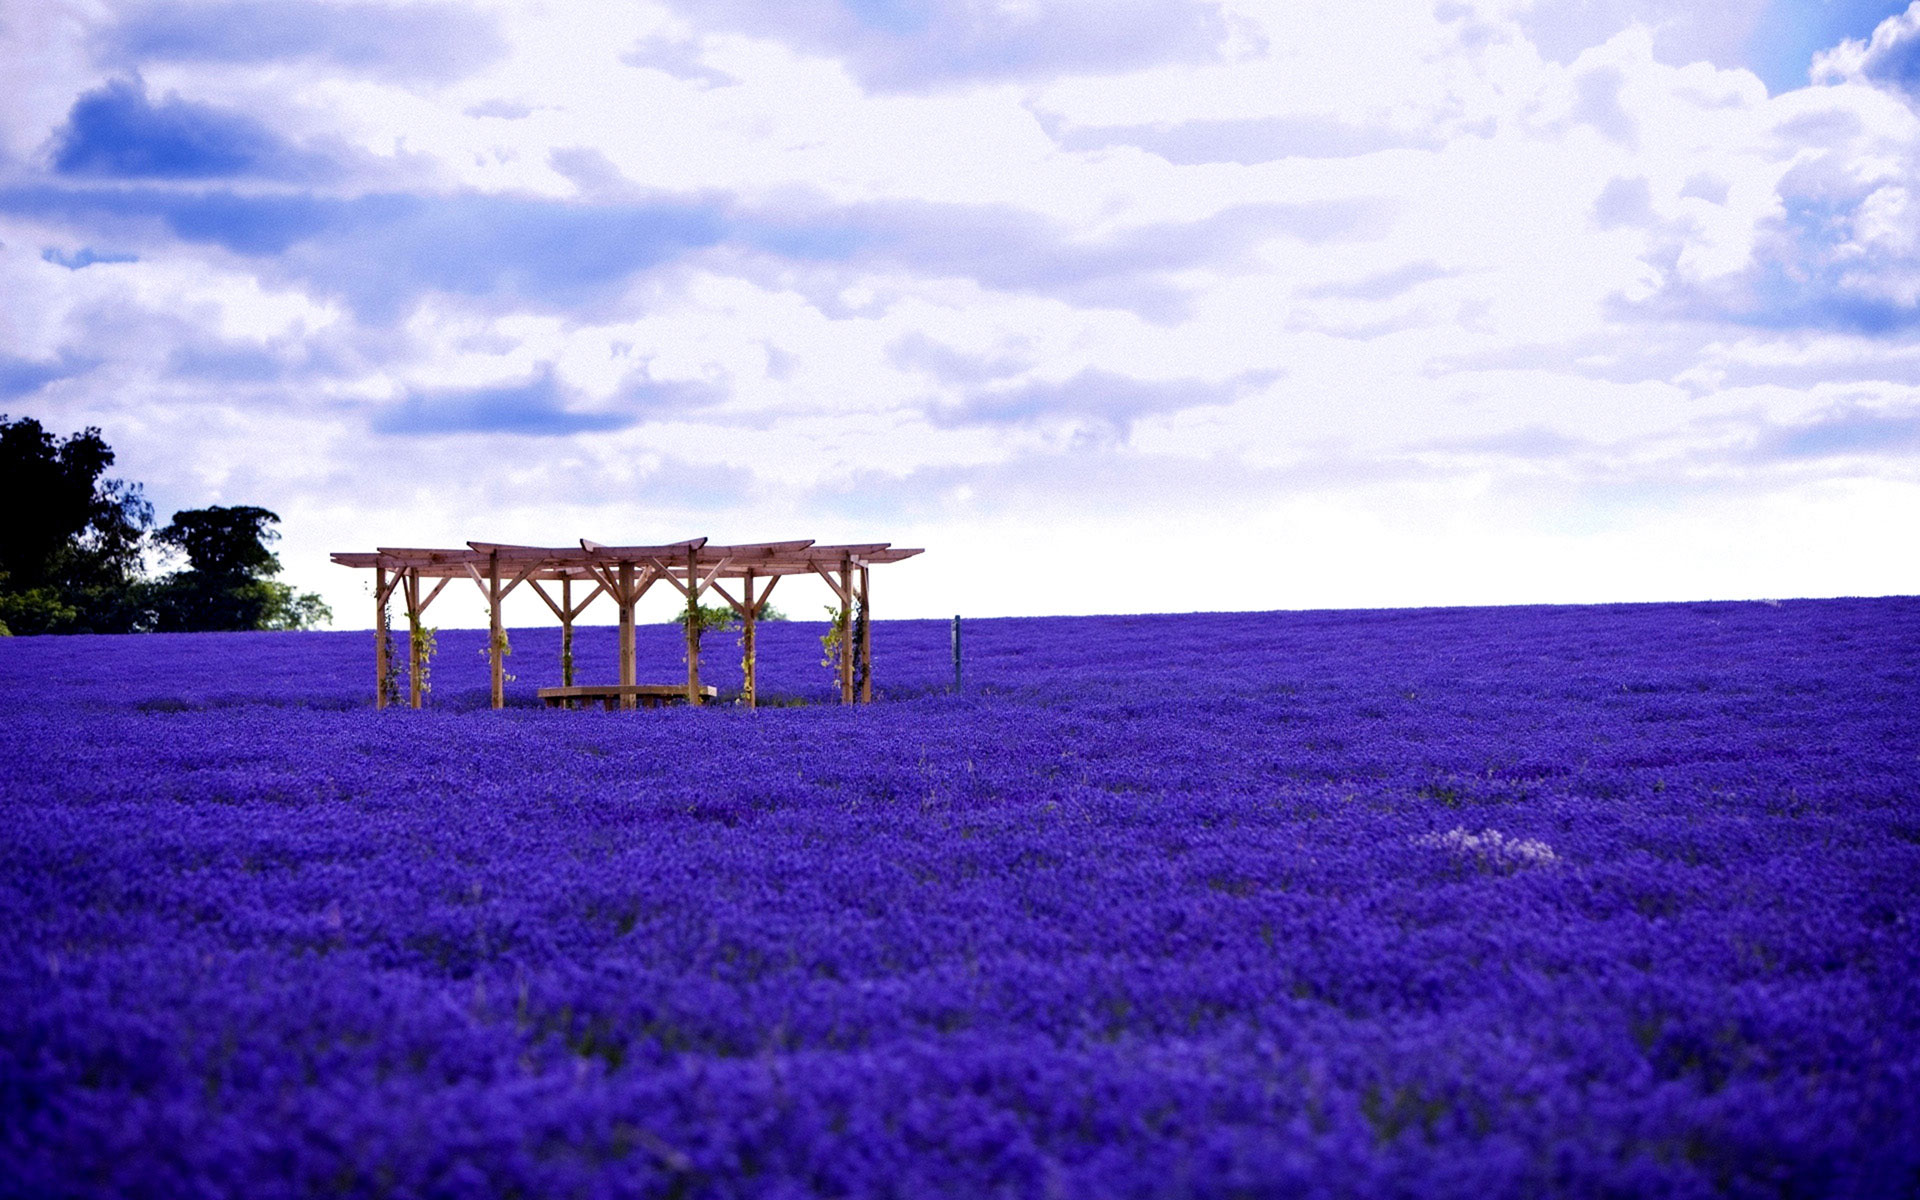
1608,901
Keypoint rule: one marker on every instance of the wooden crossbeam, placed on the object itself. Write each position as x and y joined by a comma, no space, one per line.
419,557
606,576
486,587
820,569
637,553
752,551
667,573
558,612
598,590
605,581
519,579
537,554
739,609
437,589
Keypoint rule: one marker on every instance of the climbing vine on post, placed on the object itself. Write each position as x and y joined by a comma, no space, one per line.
831,642
421,645
505,647
711,617
859,634
383,651
704,618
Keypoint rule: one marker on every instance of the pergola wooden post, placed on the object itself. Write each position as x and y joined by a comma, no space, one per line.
747,620
382,639
396,572
750,616
416,652
566,610
854,640
693,588
693,627
566,631
626,599
490,587
496,634
748,608
866,643
846,630
569,611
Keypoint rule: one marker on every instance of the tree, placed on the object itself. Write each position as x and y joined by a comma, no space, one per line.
227,542
227,583
70,541
716,616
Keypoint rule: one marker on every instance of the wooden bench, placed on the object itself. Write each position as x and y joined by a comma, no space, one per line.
649,695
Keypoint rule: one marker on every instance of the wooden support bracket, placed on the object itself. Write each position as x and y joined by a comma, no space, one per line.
558,612
839,593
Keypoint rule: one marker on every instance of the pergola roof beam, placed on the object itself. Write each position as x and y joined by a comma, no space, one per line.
639,553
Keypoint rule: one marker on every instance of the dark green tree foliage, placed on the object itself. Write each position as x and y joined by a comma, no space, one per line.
225,541
70,541
720,616
227,582
71,546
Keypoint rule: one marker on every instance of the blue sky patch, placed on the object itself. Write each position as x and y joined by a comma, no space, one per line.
25,376
84,257
433,41
115,132
384,251
1846,433
536,407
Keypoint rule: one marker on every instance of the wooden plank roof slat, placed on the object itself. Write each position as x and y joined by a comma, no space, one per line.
637,553
752,550
554,554
836,552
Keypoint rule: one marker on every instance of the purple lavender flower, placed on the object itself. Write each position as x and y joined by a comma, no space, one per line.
1585,901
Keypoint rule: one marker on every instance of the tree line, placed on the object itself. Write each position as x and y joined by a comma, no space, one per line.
74,546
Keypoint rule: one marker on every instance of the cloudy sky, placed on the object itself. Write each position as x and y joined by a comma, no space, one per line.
1113,305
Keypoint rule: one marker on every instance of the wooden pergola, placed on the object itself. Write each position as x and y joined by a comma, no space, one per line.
624,573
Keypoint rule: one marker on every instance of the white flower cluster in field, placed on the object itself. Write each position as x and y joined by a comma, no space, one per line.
1492,847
